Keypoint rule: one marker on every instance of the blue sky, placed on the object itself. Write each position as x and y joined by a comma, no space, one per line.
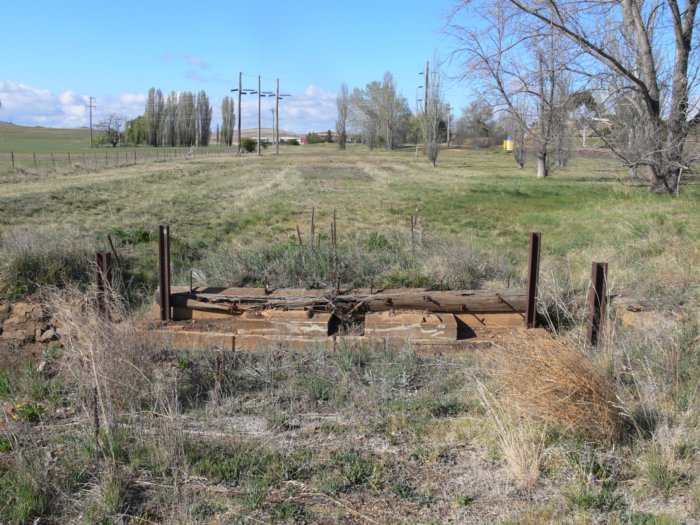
56,54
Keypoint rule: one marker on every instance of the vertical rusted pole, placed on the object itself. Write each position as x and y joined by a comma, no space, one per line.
164,271
597,299
533,272
12,153
103,277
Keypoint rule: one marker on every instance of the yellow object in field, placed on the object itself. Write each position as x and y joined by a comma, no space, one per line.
508,145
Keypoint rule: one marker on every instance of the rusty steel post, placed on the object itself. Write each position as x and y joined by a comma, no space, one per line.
164,271
533,272
103,277
597,299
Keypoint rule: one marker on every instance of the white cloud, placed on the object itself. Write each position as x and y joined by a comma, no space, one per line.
313,109
31,106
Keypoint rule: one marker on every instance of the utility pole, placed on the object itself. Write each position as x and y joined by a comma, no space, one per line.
259,107
240,91
272,110
91,105
277,118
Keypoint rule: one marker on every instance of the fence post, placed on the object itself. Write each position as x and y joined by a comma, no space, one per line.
164,271
12,153
53,162
103,276
533,272
70,164
35,166
597,301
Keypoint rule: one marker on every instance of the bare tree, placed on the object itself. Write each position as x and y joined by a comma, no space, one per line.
342,101
390,110
520,67
661,38
111,129
364,111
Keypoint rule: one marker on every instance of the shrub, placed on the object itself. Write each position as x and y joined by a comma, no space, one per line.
248,144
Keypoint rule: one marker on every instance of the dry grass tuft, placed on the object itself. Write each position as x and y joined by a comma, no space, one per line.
557,383
106,359
521,441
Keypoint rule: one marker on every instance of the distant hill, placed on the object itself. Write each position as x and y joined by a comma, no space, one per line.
40,139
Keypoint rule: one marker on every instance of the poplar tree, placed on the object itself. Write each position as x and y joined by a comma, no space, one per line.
204,114
227,120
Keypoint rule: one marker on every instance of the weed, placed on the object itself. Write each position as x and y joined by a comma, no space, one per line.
355,469
648,518
31,412
256,493
24,493
287,511
405,491
659,471
463,500
204,510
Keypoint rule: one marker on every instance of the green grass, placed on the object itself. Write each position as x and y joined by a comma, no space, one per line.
475,197
25,139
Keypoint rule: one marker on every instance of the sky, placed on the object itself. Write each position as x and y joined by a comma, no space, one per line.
58,54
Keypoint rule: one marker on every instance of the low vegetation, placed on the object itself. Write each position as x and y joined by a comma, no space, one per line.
107,426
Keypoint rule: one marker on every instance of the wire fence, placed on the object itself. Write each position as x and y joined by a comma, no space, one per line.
101,158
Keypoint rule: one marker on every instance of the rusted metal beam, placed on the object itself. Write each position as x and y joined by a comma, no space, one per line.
103,278
164,271
597,299
532,278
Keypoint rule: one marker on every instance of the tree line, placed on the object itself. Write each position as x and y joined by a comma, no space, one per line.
379,117
180,119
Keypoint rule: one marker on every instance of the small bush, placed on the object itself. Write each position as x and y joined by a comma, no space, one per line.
249,144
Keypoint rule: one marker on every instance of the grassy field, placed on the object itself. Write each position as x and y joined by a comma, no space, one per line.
480,198
363,435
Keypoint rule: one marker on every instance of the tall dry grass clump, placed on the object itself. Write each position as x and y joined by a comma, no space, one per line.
558,384
521,441
111,364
